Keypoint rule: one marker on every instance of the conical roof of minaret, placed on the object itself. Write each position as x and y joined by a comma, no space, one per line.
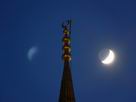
66,90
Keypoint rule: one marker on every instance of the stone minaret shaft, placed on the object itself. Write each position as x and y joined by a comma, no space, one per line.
66,90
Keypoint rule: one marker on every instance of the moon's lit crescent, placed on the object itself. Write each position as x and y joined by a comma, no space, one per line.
110,58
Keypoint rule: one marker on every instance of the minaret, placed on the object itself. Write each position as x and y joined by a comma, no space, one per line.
66,90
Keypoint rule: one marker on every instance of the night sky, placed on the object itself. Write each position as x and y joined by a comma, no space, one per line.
97,24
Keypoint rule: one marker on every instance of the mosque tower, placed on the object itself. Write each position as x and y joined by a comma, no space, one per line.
66,90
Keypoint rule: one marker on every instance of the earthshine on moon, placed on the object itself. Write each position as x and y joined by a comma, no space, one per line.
107,56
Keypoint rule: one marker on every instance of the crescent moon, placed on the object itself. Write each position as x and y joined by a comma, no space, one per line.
110,58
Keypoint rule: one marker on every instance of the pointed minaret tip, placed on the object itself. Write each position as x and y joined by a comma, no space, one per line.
66,90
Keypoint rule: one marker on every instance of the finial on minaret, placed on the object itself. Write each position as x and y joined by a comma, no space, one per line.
66,40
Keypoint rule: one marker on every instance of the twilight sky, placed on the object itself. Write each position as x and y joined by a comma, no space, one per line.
97,24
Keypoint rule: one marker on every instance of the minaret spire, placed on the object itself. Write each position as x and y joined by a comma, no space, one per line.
66,90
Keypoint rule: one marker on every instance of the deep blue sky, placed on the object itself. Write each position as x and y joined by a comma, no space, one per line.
97,24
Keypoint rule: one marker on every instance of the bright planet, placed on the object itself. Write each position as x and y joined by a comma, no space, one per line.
107,56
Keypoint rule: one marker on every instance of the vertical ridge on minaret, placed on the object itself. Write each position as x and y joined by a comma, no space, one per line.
66,90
